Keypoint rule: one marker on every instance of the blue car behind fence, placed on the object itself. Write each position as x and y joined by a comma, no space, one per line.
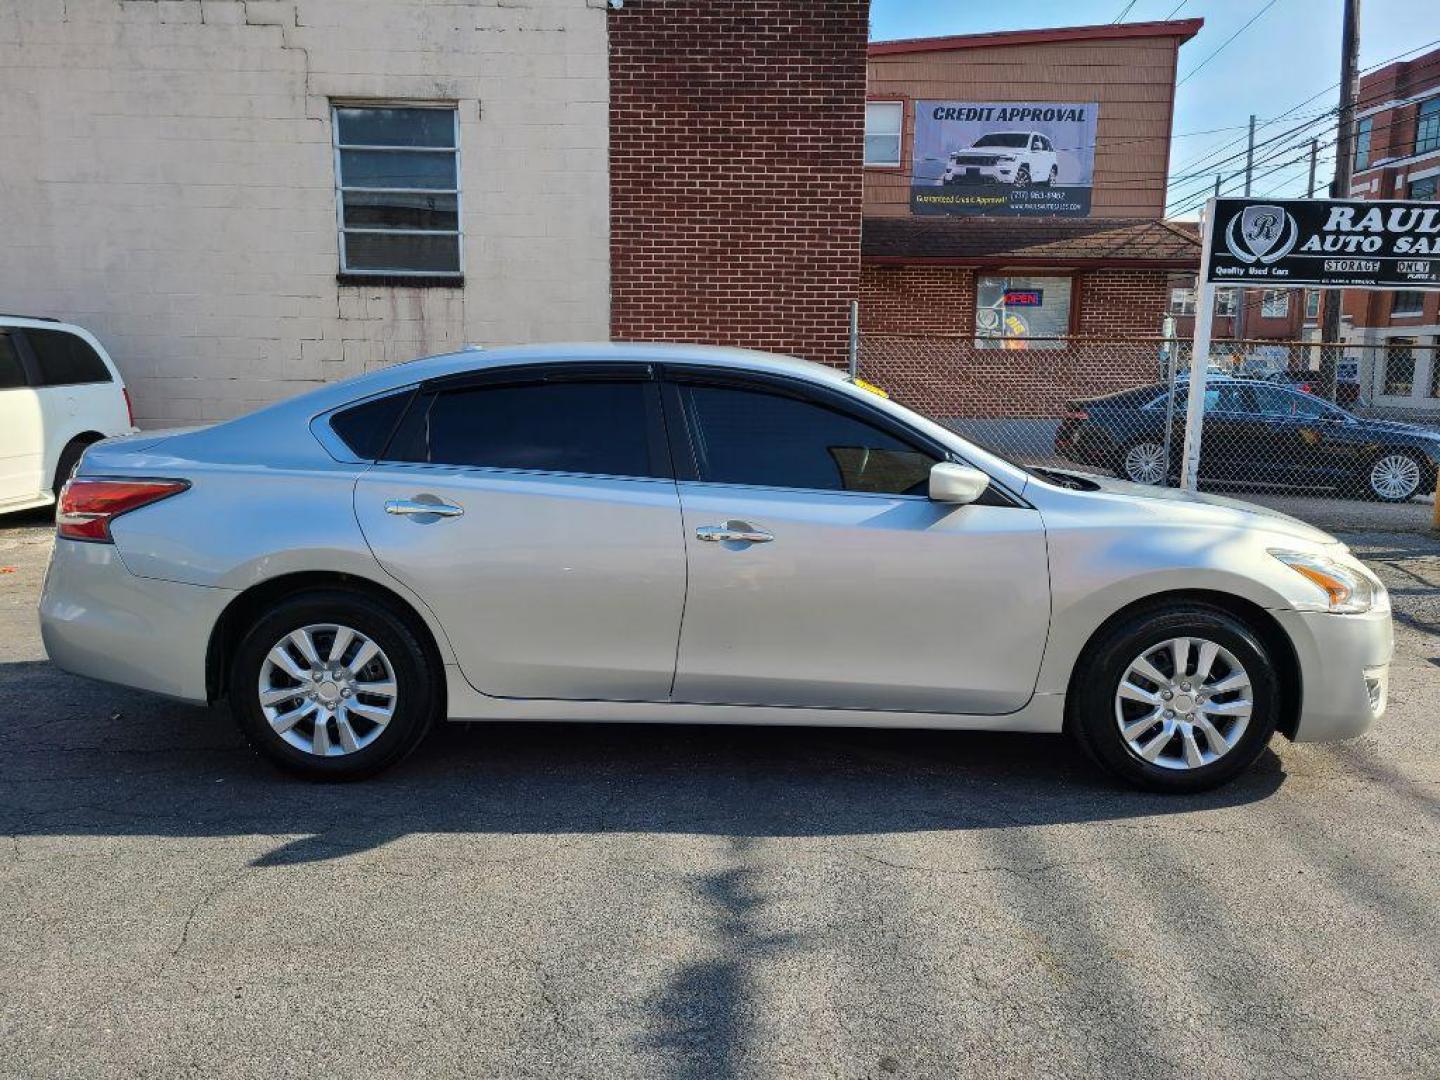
1255,432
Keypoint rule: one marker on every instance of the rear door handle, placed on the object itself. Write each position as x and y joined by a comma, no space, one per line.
735,531
411,507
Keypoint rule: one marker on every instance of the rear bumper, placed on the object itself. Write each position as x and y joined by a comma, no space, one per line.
1344,671
99,620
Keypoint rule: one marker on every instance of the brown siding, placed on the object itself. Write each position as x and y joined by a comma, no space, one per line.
735,181
1132,80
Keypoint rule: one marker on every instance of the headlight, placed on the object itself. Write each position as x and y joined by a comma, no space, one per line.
1006,159
1346,589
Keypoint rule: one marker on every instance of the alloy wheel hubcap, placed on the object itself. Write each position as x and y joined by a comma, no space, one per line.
1395,476
1145,463
327,689
1183,703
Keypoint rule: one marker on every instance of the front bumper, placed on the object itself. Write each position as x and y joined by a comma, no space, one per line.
1344,671
100,620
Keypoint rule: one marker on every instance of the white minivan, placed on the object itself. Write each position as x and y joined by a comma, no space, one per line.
59,392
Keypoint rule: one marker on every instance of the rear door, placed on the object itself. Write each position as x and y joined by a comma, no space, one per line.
77,392
533,509
22,431
849,588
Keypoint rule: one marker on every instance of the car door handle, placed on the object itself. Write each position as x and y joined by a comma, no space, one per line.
410,507
735,531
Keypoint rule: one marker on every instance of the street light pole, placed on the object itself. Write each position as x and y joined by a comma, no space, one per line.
1340,185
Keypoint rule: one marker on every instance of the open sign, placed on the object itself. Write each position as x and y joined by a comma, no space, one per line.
1024,297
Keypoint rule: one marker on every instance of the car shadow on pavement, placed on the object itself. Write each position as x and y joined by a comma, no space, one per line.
81,758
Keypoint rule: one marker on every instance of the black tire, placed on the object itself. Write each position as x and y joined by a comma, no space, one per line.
1122,456
418,687
1022,175
1424,484
68,463
1054,175
1091,712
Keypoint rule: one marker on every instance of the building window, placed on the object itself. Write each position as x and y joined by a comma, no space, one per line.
1312,303
1275,304
1399,367
397,186
1407,302
1182,301
1022,312
1427,126
883,123
1423,189
1362,144
1225,302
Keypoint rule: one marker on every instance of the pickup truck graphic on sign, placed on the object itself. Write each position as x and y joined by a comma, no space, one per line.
1006,157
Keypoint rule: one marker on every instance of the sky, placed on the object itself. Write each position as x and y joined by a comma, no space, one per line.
1291,52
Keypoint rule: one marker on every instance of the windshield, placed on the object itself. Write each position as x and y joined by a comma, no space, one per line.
1004,138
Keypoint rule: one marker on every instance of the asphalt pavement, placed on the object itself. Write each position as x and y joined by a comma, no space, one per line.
557,901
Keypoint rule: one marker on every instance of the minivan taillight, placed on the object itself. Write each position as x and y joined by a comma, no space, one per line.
129,405
87,507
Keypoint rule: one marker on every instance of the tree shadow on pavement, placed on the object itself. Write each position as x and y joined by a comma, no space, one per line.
82,758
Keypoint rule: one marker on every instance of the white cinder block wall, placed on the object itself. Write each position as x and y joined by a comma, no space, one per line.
167,180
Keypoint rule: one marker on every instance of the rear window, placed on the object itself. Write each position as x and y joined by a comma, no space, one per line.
366,428
65,359
11,373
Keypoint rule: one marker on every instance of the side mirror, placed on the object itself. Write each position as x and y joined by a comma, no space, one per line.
958,484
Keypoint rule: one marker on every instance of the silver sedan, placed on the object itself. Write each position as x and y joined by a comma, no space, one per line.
677,533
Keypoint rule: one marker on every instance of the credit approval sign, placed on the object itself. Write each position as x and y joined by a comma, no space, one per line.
1355,244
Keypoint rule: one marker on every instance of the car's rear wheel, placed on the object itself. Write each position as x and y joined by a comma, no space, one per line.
1054,175
1396,476
1144,461
1175,699
68,463
333,685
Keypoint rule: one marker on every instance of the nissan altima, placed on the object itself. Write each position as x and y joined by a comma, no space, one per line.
679,533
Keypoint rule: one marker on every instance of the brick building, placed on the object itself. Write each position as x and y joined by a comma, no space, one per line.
1397,156
1098,267
245,198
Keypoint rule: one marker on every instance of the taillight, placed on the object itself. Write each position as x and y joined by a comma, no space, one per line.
129,405
1076,414
1305,388
87,507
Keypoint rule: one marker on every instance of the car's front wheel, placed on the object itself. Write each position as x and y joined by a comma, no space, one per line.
1175,699
1022,175
1397,476
333,685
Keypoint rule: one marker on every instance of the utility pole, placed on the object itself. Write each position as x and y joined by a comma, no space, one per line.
1314,155
1340,186
1217,185
1249,155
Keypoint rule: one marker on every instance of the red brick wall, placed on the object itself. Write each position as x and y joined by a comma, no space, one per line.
916,325
736,131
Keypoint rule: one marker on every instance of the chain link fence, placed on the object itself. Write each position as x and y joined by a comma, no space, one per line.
1349,421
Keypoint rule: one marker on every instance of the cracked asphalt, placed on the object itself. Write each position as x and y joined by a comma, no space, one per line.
561,901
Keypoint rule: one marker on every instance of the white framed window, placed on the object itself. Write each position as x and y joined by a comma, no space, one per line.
397,189
884,122
1225,302
1022,312
1275,304
1182,301
1312,303
1427,126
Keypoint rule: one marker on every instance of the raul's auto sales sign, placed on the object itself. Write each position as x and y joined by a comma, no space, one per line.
1384,244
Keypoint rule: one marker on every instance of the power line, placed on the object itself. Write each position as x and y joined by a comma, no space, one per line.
1123,12
1176,8
1228,40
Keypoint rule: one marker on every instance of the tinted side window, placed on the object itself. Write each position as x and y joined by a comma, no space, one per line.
11,373
582,427
1234,398
65,359
366,428
752,437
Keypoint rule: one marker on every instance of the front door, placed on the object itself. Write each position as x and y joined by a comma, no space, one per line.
534,512
822,576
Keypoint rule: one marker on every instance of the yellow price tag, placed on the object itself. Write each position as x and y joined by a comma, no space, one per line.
871,387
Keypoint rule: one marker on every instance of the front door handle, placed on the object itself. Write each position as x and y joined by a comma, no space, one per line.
733,530
411,507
